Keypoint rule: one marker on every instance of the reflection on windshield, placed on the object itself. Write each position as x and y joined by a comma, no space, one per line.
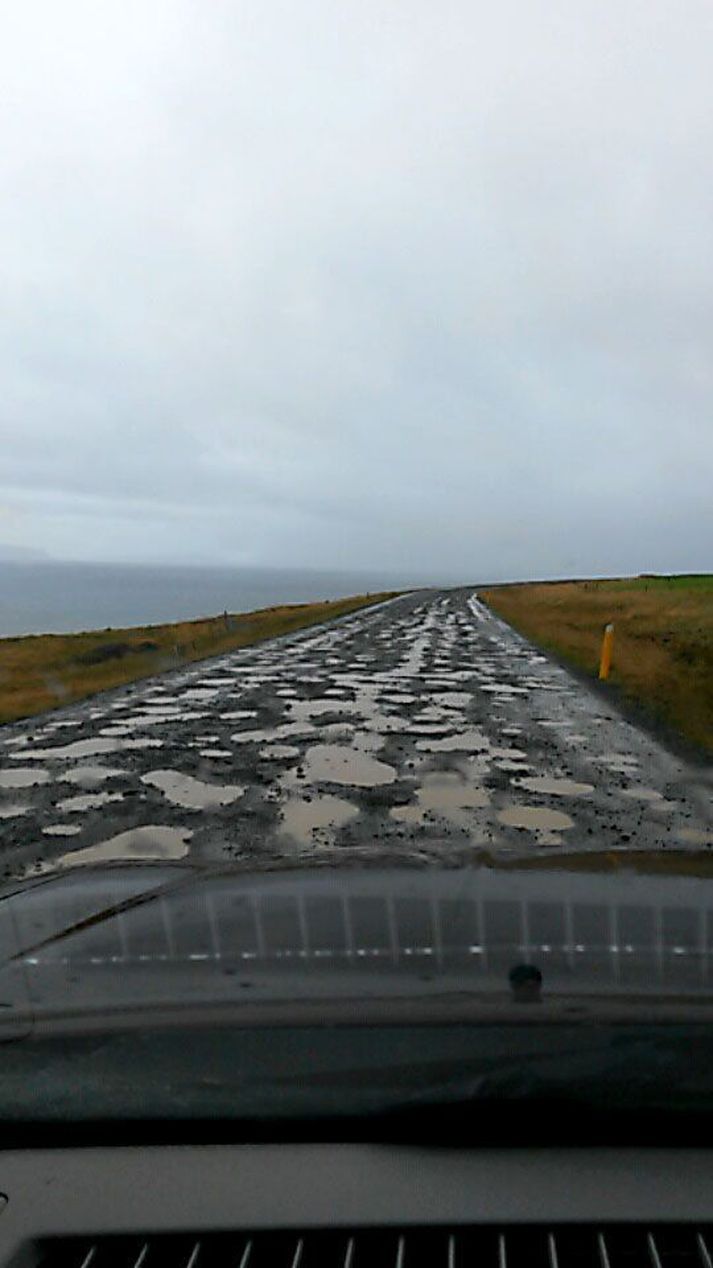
112,936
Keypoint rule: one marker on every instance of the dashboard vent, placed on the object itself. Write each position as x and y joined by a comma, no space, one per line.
521,1246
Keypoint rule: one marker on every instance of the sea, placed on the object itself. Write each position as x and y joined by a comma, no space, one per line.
61,598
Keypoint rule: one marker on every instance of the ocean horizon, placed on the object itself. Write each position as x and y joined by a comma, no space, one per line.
65,598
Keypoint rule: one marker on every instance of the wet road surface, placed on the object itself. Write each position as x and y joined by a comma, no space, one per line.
422,730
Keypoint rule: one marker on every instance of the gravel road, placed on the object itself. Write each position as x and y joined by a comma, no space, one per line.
422,730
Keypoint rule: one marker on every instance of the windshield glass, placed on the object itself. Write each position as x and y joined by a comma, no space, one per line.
356,603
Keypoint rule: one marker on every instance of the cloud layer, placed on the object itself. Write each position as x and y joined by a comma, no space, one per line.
358,285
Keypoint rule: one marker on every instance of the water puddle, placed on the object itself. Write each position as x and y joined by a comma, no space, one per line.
696,836
139,722
337,765
87,801
304,710
190,793
641,794
445,795
89,776
617,763
342,732
466,741
453,699
429,728
504,689
279,752
13,812
84,748
414,816
381,724
554,787
136,844
432,714
23,778
321,816
535,818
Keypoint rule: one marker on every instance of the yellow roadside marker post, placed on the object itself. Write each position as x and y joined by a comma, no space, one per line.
607,649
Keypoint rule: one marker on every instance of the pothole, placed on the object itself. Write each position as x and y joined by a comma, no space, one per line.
535,818
303,820
555,787
279,752
618,763
23,778
641,794
696,836
332,763
453,699
87,801
190,793
465,741
282,732
305,710
138,843
89,776
85,748
446,795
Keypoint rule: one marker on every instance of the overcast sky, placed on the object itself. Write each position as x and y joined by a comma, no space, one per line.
359,283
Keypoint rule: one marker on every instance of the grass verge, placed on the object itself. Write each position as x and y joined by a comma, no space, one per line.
39,672
663,640
644,862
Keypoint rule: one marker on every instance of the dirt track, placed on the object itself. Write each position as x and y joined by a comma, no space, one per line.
422,730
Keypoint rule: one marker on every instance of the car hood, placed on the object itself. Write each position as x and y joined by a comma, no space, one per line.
123,938
135,992
118,940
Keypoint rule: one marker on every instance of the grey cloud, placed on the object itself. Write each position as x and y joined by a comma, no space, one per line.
358,285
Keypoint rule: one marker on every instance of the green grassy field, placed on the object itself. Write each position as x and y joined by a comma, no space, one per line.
663,639
41,672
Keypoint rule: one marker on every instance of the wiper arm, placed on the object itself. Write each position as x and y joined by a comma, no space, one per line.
106,913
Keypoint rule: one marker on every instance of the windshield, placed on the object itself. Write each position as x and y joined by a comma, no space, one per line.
356,603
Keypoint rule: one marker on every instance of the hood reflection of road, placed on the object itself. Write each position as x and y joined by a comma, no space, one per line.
424,730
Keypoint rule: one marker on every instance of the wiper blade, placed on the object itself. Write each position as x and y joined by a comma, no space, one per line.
104,914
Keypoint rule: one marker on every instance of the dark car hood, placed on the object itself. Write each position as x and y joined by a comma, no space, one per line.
123,939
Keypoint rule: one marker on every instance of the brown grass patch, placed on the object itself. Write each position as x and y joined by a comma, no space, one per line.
663,639
643,862
44,671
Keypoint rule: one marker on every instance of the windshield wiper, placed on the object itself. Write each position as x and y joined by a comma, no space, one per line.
104,914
